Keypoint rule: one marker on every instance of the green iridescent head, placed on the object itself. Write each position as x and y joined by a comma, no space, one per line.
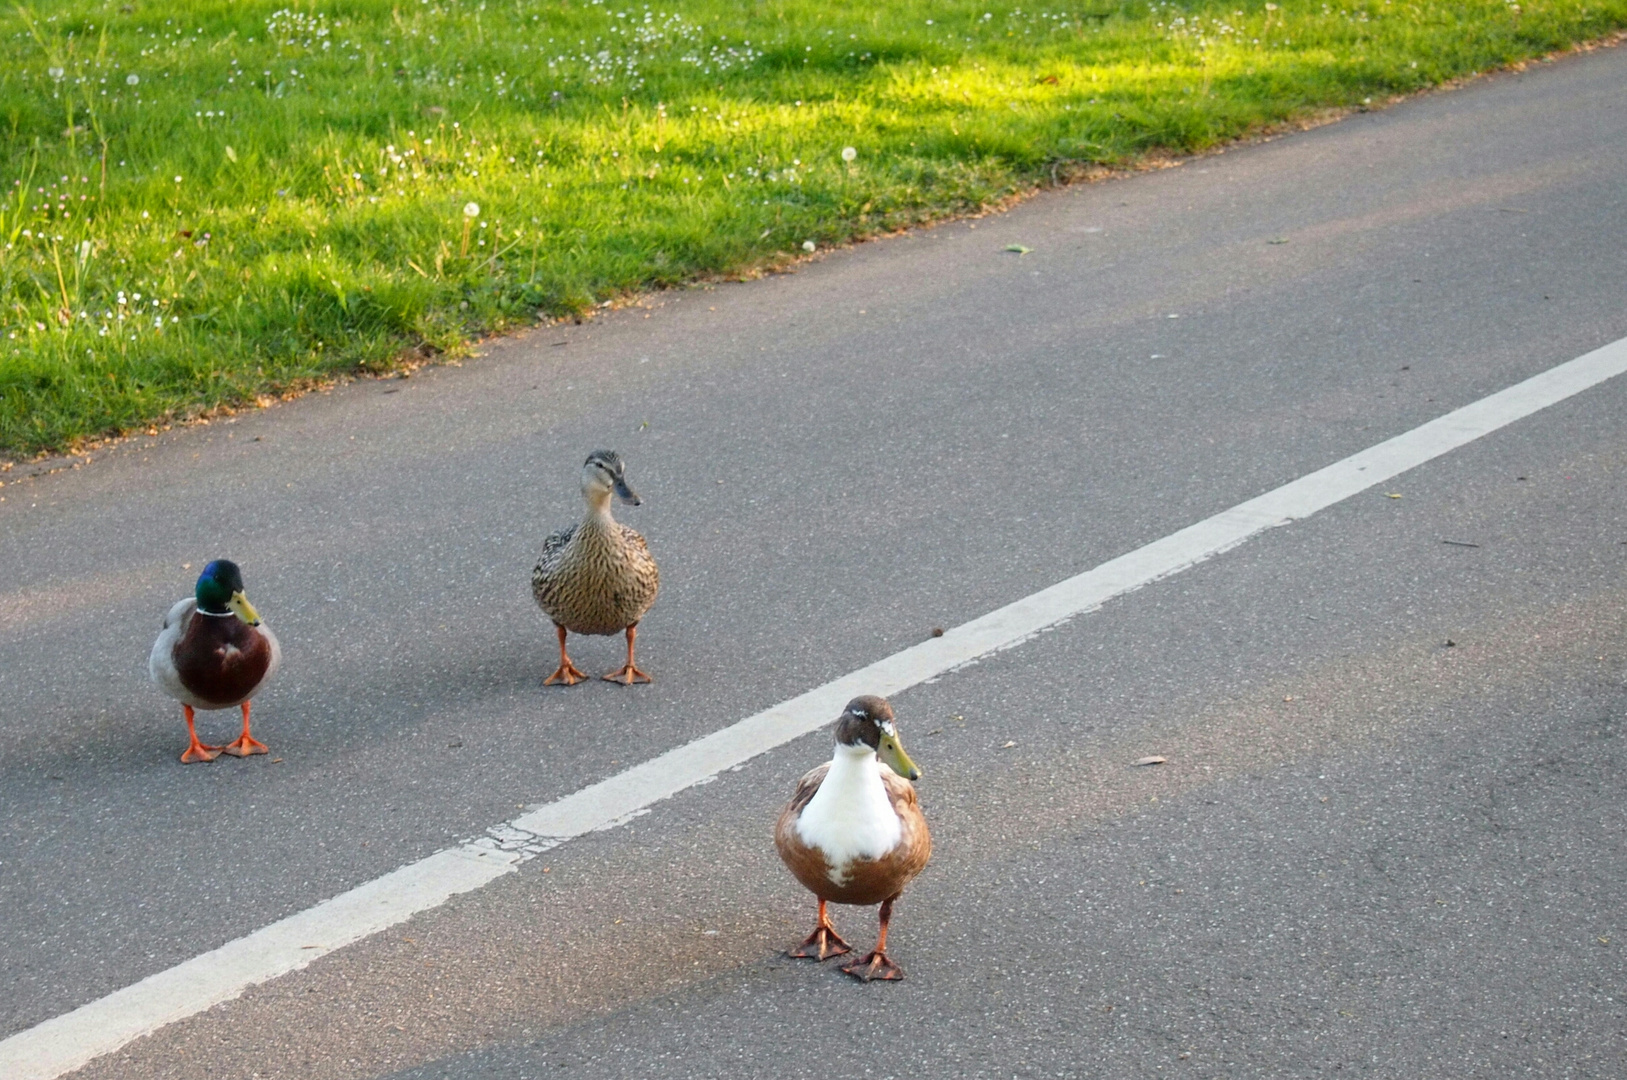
220,592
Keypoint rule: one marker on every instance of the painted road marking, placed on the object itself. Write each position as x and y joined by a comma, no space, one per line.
67,1042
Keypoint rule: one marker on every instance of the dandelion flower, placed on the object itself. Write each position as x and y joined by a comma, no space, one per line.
471,210
809,245
848,153
55,72
132,79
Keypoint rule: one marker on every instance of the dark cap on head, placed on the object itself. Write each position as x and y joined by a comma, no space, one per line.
868,721
614,472
861,721
609,459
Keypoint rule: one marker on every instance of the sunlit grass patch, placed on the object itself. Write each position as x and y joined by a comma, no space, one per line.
205,202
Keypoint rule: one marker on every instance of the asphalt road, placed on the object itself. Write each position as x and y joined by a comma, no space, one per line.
1369,850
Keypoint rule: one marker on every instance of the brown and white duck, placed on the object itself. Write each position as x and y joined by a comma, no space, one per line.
853,832
215,652
597,577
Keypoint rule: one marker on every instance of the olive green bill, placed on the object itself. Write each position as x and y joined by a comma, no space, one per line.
891,753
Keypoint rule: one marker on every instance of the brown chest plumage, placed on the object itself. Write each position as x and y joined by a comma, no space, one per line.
595,578
221,659
866,881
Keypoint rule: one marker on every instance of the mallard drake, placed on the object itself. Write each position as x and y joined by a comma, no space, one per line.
597,577
215,652
853,832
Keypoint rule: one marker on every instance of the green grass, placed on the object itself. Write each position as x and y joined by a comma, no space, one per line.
200,210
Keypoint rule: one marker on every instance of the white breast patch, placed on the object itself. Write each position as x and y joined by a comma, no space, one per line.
850,816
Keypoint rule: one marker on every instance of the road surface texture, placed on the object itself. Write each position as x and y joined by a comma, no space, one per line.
1391,831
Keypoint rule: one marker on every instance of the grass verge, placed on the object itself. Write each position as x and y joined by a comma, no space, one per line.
203,202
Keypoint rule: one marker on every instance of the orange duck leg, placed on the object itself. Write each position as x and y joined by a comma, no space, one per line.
628,674
875,965
245,744
567,673
196,751
823,942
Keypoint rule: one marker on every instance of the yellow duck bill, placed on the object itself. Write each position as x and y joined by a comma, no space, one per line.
240,606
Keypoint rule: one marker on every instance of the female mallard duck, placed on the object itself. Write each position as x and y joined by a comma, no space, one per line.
853,832
215,652
597,577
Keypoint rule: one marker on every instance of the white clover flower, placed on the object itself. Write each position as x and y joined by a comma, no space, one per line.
132,79
471,210
848,153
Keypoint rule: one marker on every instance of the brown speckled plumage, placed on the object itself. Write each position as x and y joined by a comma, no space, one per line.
595,578
866,881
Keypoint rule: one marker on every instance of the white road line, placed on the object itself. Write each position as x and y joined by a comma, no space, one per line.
66,1042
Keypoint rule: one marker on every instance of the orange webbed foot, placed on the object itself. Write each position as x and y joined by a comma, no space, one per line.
873,966
627,675
244,746
199,752
823,943
566,674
